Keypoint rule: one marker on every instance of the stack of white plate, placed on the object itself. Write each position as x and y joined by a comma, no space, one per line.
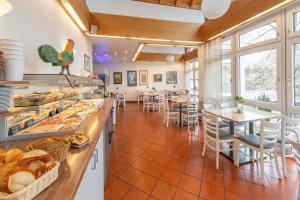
14,57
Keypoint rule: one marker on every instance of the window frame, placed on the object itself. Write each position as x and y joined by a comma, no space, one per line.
278,38
290,22
289,75
250,102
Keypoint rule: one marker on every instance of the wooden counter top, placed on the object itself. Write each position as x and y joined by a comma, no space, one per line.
72,170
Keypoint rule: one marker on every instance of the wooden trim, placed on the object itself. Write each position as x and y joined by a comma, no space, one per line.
81,9
189,4
157,57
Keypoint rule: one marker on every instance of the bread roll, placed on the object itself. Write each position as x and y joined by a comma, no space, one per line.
2,155
13,155
38,161
16,179
13,178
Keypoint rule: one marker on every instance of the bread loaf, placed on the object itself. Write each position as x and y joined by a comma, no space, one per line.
13,155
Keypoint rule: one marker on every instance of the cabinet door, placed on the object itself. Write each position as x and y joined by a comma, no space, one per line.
92,184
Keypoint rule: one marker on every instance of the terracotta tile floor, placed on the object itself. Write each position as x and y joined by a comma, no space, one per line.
150,161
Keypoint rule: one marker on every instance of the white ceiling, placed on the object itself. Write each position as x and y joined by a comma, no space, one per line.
163,49
145,10
108,50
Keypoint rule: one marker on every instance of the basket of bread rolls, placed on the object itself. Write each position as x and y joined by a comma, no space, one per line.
23,175
57,147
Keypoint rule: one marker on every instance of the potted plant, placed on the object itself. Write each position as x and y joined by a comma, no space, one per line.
239,103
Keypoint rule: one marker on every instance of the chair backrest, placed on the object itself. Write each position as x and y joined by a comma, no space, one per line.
145,97
211,124
192,107
296,148
292,126
269,131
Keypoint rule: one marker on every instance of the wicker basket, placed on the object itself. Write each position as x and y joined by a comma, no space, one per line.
59,154
34,188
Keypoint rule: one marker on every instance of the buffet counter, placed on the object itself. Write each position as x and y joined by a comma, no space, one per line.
72,171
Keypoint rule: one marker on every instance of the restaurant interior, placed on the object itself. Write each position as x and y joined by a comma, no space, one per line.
150,99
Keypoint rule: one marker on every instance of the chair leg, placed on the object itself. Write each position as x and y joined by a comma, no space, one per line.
204,147
217,155
283,160
277,165
168,120
237,154
262,171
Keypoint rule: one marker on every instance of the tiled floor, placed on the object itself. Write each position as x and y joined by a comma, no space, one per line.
150,161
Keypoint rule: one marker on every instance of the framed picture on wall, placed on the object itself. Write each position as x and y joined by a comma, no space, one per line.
87,63
157,77
143,77
131,78
171,77
117,77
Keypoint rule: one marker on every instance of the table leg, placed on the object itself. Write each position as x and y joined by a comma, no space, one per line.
231,127
180,116
251,131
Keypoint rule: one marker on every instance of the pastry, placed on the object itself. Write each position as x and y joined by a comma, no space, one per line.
14,178
78,139
2,155
38,161
13,155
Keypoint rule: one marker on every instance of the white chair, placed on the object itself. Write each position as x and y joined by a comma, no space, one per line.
147,104
140,95
264,143
293,138
121,99
159,102
291,126
169,113
215,137
191,116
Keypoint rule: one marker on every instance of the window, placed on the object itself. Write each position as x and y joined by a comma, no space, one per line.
296,74
296,21
226,46
258,75
226,78
226,69
192,74
261,34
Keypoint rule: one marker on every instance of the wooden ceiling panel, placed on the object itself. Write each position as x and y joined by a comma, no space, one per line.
239,11
157,57
191,4
116,25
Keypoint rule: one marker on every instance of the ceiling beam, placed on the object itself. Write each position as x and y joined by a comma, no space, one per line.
115,25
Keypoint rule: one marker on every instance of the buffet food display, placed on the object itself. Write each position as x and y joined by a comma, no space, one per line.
67,120
36,99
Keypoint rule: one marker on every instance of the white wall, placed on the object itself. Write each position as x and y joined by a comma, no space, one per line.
153,68
37,22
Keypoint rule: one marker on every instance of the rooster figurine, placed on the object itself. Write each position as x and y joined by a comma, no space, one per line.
64,59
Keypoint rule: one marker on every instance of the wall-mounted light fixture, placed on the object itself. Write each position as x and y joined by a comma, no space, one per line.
5,7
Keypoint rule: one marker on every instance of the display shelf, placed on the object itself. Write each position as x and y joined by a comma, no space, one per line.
14,111
13,83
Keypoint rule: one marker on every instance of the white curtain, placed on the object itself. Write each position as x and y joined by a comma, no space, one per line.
212,66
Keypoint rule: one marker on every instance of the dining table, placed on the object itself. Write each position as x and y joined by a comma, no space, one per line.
249,116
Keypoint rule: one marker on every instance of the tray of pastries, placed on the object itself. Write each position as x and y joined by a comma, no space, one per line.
78,140
23,175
